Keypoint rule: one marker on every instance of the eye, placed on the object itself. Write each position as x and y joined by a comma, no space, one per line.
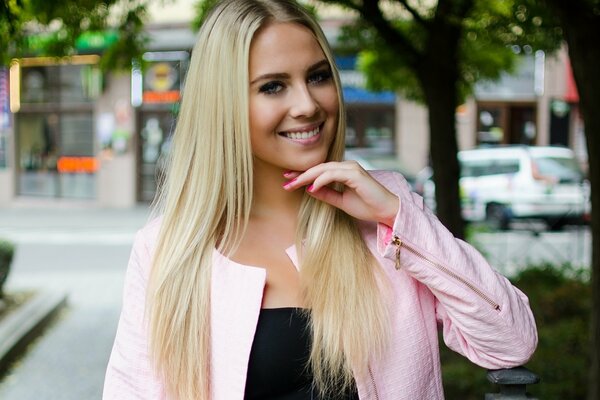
272,87
319,77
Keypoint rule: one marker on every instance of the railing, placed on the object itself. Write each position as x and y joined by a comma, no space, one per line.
513,383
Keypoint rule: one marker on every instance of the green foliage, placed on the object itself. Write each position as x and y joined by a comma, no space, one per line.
10,28
51,28
560,300
131,43
203,7
7,251
492,35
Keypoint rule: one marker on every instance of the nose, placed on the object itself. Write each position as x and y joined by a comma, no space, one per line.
303,103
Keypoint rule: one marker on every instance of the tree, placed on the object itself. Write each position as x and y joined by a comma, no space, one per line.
580,21
435,54
58,24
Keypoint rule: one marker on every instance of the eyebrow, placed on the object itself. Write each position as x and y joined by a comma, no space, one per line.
279,75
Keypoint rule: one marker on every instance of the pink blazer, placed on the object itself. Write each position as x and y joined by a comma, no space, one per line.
441,282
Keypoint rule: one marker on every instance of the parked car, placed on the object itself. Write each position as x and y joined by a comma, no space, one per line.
503,183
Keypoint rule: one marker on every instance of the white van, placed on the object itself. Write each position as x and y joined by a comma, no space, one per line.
499,184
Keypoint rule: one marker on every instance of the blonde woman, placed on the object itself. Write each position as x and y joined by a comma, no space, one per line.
275,270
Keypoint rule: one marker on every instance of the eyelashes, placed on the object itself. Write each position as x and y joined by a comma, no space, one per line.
314,79
319,77
272,87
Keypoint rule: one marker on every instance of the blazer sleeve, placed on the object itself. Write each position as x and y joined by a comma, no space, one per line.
483,316
129,374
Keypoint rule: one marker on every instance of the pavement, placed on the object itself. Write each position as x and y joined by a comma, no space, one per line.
74,255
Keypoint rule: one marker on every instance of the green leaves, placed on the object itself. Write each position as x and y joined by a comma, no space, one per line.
492,33
53,28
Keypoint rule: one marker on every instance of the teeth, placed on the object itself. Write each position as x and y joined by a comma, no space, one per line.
302,135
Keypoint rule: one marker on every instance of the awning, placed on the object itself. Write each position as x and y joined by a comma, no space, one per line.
571,94
358,95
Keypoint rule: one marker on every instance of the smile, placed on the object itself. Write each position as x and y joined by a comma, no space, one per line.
303,136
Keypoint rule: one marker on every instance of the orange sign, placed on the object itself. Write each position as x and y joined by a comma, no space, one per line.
70,165
162,82
171,96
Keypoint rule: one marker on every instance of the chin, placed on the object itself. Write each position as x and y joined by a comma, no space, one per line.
307,164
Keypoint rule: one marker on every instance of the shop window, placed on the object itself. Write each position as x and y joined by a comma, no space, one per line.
506,123
371,127
490,129
55,155
39,85
155,138
64,84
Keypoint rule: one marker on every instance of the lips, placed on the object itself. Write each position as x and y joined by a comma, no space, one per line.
303,135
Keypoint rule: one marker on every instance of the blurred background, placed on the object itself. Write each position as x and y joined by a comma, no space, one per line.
476,103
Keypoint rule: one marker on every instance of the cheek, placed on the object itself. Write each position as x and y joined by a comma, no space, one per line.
329,102
264,117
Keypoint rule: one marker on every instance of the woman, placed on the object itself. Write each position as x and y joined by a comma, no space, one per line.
276,270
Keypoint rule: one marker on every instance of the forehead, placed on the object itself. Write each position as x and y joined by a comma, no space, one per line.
279,47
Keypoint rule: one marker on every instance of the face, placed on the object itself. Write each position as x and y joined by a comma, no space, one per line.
293,99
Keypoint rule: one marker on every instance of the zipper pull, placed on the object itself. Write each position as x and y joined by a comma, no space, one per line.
398,243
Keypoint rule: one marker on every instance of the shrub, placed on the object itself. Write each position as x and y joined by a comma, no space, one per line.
7,251
560,298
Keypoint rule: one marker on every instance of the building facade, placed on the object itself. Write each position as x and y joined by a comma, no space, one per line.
70,132
537,105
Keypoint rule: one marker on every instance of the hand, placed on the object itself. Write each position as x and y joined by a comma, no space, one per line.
363,197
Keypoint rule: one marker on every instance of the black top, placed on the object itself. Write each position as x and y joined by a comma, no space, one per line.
277,369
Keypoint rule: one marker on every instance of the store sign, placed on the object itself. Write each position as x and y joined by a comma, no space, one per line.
96,40
4,116
77,165
4,99
85,42
354,84
162,82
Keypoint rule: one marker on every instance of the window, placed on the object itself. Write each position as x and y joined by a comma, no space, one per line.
484,167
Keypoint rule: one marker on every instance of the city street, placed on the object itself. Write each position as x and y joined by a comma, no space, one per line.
83,251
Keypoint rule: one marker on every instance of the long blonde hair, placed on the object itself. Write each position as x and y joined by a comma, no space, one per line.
205,204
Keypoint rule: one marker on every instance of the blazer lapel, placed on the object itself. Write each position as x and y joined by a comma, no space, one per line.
236,297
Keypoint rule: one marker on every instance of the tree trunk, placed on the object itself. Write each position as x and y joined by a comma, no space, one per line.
581,27
438,74
441,103
585,58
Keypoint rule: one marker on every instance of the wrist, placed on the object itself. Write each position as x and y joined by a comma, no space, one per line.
392,211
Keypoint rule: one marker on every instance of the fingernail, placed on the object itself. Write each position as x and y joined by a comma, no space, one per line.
287,172
310,188
285,185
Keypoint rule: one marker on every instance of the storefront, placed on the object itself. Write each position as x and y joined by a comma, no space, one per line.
506,122
156,92
507,109
5,118
53,105
370,115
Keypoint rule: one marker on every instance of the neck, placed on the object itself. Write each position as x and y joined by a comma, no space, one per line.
270,199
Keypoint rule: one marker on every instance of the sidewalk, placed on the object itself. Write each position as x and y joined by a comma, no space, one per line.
82,251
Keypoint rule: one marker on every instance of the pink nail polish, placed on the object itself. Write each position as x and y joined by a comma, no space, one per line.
285,185
310,188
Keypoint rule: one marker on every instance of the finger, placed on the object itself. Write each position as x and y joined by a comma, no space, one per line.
347,177
327,195
309,176
291,174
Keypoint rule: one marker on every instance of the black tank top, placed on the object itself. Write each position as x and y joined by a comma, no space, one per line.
277,369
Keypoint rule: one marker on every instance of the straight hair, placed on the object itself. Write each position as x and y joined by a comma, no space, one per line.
205,203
